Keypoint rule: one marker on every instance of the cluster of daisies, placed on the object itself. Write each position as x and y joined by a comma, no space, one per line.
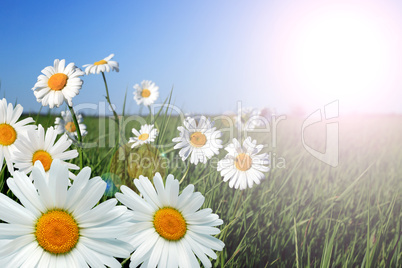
59,220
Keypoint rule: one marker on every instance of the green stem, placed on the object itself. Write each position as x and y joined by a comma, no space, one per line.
116,117
77,126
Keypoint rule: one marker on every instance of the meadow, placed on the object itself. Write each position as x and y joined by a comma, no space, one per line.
305,213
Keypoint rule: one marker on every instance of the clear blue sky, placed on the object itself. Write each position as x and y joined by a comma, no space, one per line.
214,52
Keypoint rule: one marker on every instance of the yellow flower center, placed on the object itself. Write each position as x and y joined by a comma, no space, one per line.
57,81
243,162
44,157
8,135
100,62
143,136
57,232
170,224
197,139
145,93
70,127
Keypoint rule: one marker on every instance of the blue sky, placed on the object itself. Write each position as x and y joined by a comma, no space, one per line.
214,53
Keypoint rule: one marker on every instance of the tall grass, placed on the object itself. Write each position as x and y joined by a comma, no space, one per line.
305,213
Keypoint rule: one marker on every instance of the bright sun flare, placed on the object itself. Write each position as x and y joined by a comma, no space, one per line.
339,52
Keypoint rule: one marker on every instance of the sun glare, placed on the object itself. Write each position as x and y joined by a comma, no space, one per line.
339,52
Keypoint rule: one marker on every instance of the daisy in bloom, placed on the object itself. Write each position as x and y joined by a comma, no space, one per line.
147,93
58,225
40,146
170,230
243,166
250,118
105,65
11,131
201,140
147,134
58,83
65,124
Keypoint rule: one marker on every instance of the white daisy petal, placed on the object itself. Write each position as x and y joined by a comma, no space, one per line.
55,84
199,141
157,242
28,238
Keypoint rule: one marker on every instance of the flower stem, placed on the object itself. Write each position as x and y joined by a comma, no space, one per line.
116,117
77,126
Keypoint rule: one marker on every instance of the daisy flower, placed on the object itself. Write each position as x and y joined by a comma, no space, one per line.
243,166
170,230
105,65
40,146
147,134
11,131
201,140
65,124
58,83
147,93
57,225
250,118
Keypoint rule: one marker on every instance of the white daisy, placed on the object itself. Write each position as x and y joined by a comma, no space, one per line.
201,140
58,83
57,225
11,131
250,118
38,146
242,166
65,124
105,65
147,93
147,134
170,230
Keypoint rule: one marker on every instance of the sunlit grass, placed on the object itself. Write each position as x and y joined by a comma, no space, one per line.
305,213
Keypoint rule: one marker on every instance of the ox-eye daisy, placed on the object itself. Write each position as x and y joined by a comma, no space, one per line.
147,134
57,225
201,140
65,124
58,83
11,131
243,166
38,146
105,65
147,93
250,118
170,230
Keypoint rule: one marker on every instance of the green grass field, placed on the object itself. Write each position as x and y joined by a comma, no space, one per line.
305,213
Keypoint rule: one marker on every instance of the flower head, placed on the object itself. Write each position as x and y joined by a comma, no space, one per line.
42,146
105,65
57,225
147,93
250,118
201,140
65,124
170,230
147,134
11,131
243,166
58,83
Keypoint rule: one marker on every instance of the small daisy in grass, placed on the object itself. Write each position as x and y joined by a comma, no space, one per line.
170,230
40,146
11,131
147,134
58,225
105,65
201,140
147,93
243,166
250,118
58,83
65,124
